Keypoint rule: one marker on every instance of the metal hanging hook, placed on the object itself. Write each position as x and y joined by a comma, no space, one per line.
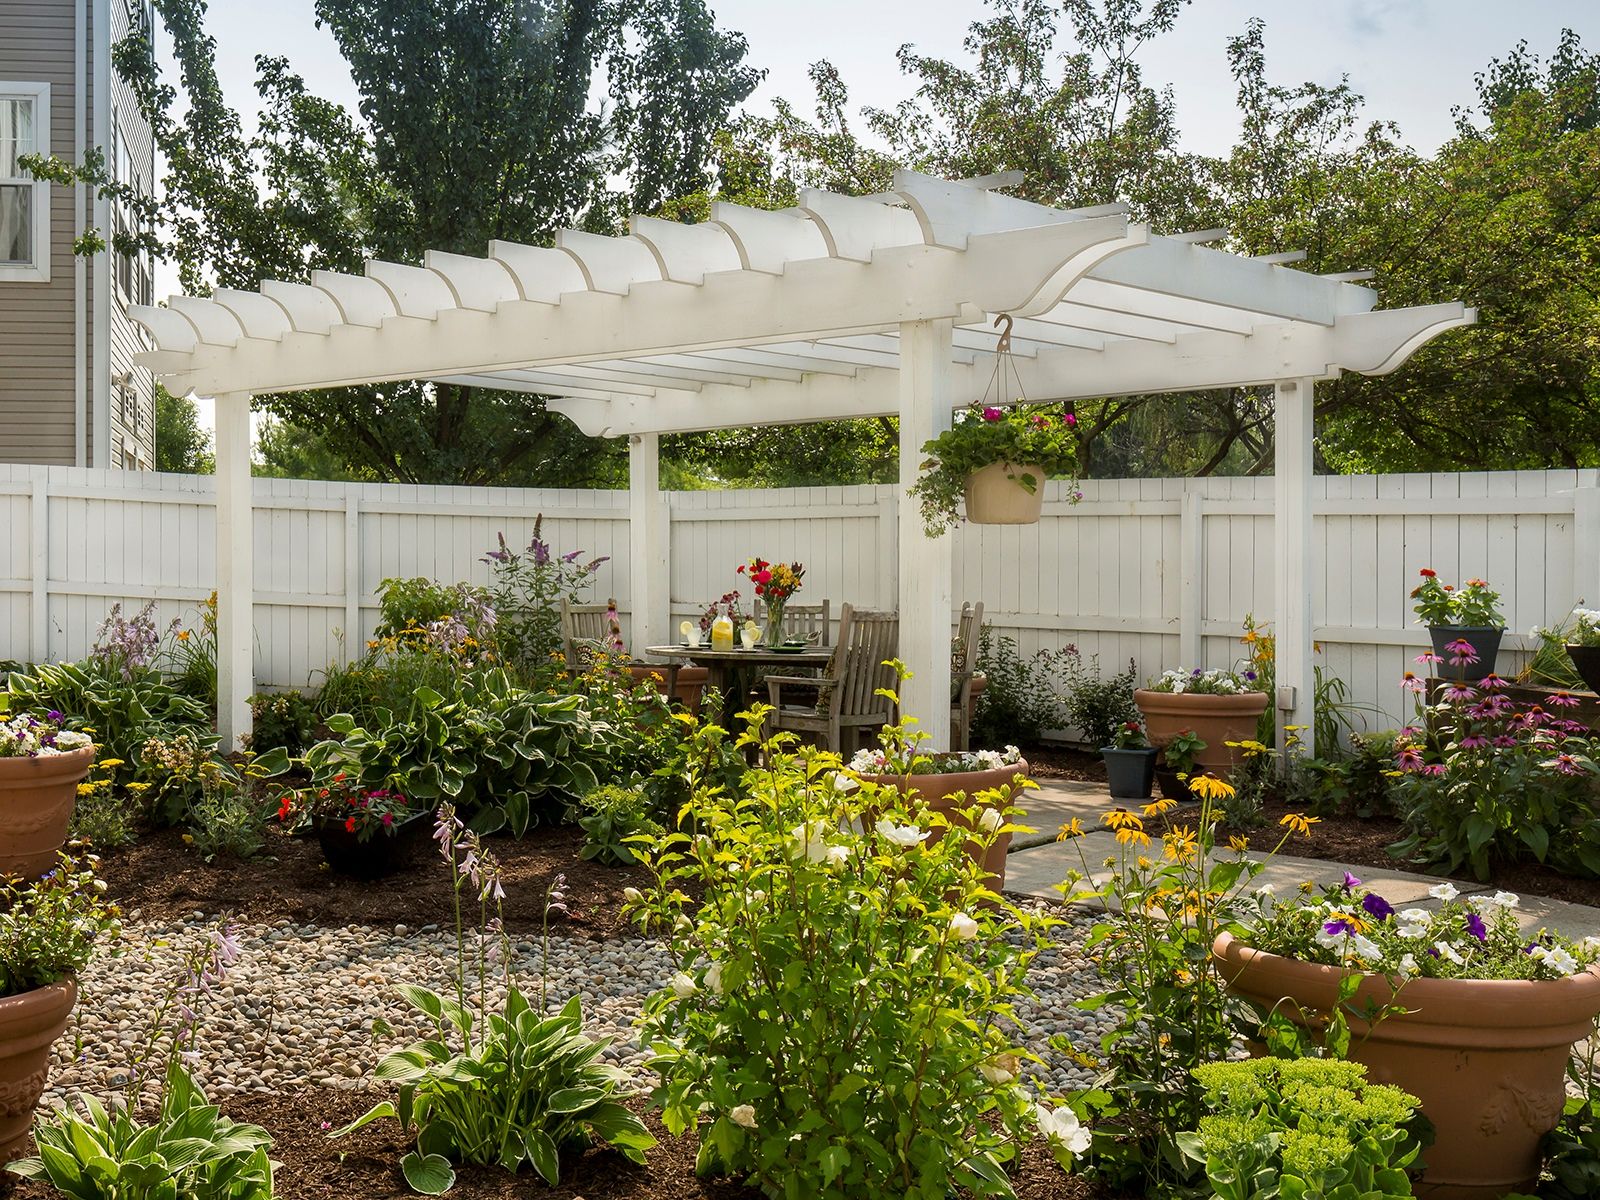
1004,345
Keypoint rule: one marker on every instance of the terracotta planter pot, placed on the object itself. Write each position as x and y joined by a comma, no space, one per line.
942,793
36,801
1486,1057
995,497
29,1025
1485,642
1216,720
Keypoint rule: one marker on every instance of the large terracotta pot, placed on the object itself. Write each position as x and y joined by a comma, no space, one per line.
29,1025
943,793
1486,1057
995,497
1216,720
36,800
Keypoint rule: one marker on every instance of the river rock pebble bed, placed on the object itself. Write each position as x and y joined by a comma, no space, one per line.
298,1007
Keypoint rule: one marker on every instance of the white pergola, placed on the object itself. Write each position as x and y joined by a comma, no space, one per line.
845,306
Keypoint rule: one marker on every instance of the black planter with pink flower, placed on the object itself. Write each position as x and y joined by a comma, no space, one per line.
1465,652
374,856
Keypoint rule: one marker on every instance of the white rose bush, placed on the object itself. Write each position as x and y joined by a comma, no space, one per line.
842,1021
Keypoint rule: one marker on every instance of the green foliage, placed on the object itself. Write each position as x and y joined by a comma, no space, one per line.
504,755
121,714
409,606
1310,1129
181,444
49,926
1020,700
192,656
228,821
610,818
1170,893
503,1088
1572,1149
286,720
1026,439
527,592
190,1151
102,817
837,989
1473,603
1181,753
1101,709
1496,782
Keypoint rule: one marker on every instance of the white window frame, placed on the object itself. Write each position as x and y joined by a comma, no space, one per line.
38,271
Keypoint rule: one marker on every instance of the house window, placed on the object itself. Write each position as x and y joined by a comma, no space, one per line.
24,201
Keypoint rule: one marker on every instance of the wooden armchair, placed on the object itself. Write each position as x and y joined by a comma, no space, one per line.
585,636
963,663
809,621
843,696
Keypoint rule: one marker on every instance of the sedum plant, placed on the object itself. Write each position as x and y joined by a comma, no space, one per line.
841,1022
1306,1129
498,1086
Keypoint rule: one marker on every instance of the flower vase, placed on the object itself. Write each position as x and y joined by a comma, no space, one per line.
774,632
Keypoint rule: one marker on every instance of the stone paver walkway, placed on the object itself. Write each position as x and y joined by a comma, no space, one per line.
1038,862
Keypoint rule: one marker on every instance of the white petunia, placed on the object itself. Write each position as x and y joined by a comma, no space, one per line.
1444,891
1416,916
1448,952
1504,899
843,783
1366,949
1266,889
744,1116
905,836
1412,931
683,985
963,928
1408,966
1063,1127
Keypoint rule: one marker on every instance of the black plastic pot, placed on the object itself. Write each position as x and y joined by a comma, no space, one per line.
381,854
1130,772
1173,788
1586,660
1484,640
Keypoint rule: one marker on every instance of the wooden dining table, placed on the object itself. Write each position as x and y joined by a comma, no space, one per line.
726,669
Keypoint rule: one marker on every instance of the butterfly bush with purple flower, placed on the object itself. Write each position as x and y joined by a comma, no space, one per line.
526,595
1351,925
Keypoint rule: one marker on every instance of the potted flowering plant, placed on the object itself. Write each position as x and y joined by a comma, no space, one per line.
1583,646
774,584
365,833
1464,623
997,460
1454,1003
1130,762
48,928
1178,764
1219,706
41,765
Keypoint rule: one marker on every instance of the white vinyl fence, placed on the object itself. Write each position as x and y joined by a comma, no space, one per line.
1159,570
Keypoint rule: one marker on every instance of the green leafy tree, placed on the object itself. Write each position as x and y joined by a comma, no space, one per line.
181,444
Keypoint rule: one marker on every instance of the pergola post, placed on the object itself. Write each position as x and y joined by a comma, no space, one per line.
925,563
1292,534
649,544
235,570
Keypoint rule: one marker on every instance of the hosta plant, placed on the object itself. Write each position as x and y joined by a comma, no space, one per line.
1305,1129
504,1084
841,1020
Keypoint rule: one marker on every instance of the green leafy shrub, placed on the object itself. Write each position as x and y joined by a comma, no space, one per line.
609,816
1020,700
506,757
498,1088
283,719
172,776
1312,1128
837,1026
409,607
101,816
1098,707
527,592
122,712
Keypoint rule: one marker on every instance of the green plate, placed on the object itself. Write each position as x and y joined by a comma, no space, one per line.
800,649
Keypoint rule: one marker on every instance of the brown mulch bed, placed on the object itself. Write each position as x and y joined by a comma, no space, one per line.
1053,760
163,878
366,1164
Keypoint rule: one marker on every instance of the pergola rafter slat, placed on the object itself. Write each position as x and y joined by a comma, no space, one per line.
801,315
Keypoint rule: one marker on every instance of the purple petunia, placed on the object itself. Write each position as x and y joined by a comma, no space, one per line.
1476,927
1377,906
1350,882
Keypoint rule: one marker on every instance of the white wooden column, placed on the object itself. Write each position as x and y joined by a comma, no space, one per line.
235,570
649,545
925,563
1292,533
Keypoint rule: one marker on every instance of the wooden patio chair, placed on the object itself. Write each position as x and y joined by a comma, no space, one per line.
843,696
963,663
584,637
808,621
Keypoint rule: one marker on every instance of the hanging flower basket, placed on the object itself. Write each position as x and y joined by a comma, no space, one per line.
1004,493
997,462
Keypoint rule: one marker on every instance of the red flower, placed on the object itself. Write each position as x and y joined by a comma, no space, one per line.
388,820
741,568
1428,573
1071,418
763,576
350,825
